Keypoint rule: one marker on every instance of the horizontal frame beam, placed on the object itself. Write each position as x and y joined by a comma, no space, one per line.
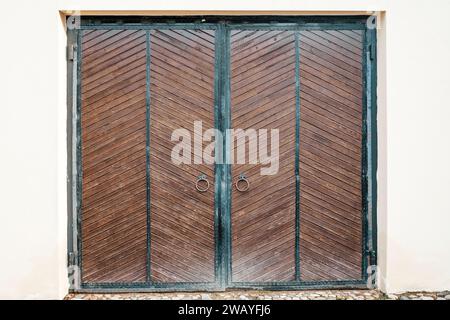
180,286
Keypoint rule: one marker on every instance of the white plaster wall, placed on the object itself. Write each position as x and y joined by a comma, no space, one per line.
417,106
414,151
32,171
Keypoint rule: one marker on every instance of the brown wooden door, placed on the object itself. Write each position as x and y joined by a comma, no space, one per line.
331,105
113,156
263,96
182,218
316,194
142,218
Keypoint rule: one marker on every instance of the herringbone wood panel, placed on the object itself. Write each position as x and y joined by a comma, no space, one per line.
263,97
182,219
114,247
330,155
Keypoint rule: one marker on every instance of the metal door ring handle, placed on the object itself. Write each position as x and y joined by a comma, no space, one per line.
197,183
242,178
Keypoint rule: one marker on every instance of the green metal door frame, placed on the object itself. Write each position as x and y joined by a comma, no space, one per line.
222,118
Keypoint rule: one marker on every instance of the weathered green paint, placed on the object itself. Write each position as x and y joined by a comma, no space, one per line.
72,187
147,152
297,157
218,263
372,146
212,21
227,179
369,153
364,185
176,286
79,178
156,26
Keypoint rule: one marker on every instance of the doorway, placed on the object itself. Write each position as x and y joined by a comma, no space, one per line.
293,212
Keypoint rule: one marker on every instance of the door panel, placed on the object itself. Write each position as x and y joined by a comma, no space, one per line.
113,160
263,96
182,218
330,155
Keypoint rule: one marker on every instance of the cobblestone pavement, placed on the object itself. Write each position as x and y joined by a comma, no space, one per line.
267,295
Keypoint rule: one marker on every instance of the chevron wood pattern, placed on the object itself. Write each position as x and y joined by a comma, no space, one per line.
113,225
182,219
330,155
263,97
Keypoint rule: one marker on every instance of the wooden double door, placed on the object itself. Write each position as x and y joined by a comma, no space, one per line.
150,221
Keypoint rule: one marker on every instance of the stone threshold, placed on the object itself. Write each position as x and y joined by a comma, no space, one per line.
265,295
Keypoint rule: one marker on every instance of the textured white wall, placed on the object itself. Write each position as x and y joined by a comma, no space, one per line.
32,164
418,147
414,151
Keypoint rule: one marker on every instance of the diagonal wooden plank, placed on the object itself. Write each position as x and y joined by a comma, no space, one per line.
182,219
113,219
263,96
330,156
